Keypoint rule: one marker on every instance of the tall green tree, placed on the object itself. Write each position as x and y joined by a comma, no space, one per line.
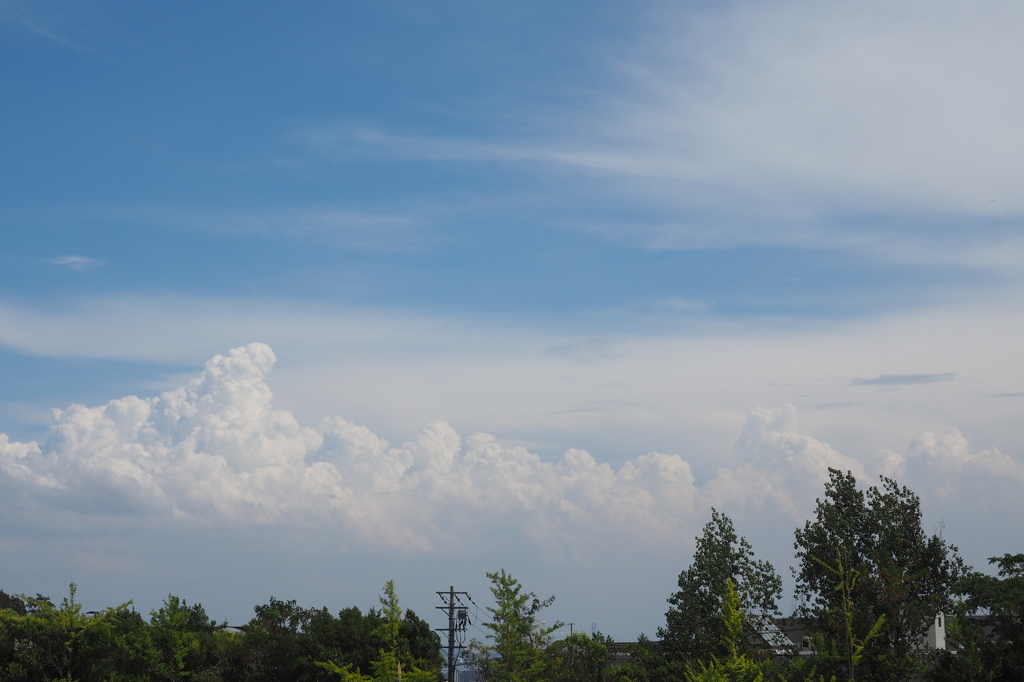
517,637
898,577
396,661
694,629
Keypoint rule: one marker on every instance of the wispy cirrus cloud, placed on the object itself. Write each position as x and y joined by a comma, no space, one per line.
874,128
77,262
321,224
39,19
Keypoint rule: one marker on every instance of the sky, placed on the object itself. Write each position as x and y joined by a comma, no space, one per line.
295,300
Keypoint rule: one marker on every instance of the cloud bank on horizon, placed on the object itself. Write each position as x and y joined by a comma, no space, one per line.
217,452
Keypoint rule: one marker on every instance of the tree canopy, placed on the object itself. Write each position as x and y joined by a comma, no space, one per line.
694,629
517,637
867,572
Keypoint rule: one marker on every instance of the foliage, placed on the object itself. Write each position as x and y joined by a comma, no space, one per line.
271,646
645,663
851,645
895,571
517,638
11,603
49,642
185,639
735,666
986,631
969,654
694,629
396,655
577,658
40,641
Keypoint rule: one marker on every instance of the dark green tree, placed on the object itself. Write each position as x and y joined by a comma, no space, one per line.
577,658
115,644
11,603
735,665
644,663
985,633
185,639
694,629
420,643
897,578
268,648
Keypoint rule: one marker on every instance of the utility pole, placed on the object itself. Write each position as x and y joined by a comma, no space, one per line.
458,619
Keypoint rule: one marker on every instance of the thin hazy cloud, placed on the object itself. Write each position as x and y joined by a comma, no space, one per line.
76,262
904,379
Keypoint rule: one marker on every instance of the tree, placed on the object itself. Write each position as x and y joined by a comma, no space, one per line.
645,663
517,638
395,652
694,629
49,642
848,646
421,645
115,644
268,649
577,658
893,573
185,638
985,634
735,665
12,603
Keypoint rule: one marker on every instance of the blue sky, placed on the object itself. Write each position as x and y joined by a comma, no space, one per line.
669,228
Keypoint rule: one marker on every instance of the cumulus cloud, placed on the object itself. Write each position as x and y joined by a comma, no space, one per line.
947,465
217,451
777,465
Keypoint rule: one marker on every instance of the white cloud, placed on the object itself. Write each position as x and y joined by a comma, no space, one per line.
217,451
554,389
948,465
76,262
776,465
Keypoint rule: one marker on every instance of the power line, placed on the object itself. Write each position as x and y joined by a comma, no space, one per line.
458,621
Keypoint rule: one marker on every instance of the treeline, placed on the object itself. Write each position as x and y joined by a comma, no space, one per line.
40,640
870,583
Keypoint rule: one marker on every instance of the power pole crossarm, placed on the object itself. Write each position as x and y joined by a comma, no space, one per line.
450,599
